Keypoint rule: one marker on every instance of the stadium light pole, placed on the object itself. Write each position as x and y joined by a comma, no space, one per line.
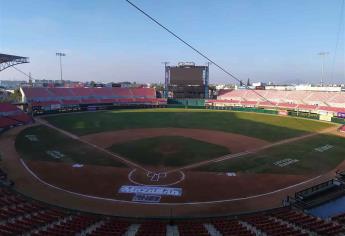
207,77
323,55
60,54
166,79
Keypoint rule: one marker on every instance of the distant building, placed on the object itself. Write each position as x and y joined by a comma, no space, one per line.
309,87
12,84
258,84
224,86
280,87
39,83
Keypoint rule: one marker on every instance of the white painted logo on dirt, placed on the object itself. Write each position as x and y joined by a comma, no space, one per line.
146,198
163,191
324,148
230,174
77,165
31,137
55,154
285,162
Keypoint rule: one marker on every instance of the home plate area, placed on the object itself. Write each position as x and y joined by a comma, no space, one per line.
149,194
149,186
155,177
150,178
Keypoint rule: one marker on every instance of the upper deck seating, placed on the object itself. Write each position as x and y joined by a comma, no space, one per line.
308,100
67,96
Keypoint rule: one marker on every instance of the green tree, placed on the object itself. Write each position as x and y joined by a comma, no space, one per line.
16,96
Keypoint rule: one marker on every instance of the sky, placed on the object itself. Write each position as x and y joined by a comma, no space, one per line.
109,40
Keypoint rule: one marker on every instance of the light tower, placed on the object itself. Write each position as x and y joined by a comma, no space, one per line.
323,55
166,79
207,76
60,54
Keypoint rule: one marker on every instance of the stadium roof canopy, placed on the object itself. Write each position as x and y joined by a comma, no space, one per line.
11,60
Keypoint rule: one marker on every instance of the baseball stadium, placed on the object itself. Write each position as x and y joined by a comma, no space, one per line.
120,161
183,161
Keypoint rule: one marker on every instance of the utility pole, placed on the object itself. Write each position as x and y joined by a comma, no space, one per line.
30,79
60,54
323,55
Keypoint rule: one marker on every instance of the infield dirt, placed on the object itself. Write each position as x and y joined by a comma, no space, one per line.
234,142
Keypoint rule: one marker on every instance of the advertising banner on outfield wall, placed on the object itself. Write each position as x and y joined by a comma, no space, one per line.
283,112
326,117
341,115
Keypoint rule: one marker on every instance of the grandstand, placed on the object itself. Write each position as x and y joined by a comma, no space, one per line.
11,116
22,216
342,129
190,169
54,99
330,102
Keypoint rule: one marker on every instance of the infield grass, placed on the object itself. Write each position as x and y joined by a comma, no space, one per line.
168,151
49,140
310,161
263,126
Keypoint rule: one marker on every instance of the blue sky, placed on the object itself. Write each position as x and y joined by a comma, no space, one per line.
108,40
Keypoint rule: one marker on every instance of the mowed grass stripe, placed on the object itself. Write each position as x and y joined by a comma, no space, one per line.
74,152
266,127
168,151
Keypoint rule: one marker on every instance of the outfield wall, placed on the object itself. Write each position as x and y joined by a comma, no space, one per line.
92,107
245,109
338,120
302,114
187,102
330,116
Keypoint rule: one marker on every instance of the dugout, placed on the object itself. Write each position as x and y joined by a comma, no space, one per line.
319,194
338,120
308,115
186,103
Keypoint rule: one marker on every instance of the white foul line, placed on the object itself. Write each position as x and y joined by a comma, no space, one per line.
122,159
171,204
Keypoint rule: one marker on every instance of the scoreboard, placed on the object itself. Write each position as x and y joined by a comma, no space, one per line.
183,75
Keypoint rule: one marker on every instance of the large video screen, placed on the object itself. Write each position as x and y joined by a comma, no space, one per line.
186,75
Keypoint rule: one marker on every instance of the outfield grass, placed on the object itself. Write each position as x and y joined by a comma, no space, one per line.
168,151
310,160
50,140
263,126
